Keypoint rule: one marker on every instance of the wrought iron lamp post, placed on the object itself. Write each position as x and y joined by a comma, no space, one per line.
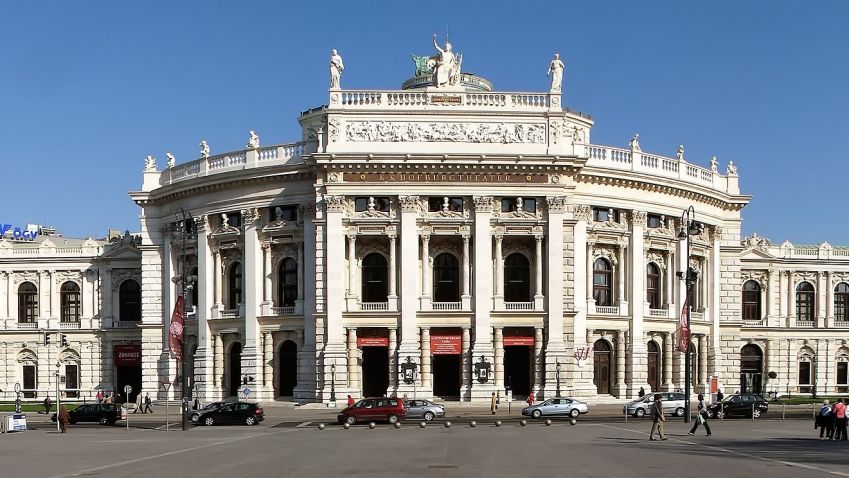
185,391
689,275
557,366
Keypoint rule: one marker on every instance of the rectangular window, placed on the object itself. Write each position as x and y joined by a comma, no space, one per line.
508,204
439,204
234,219
601,214
72,380
843,373
29,379
512,204
288,213
363,204
805,377
654,221
530,204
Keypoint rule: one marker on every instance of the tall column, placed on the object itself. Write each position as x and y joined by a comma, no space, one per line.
829,300
638,371
306,388
499,268
703,364
218,279
582,375
204,372
426,373
353,368
427,273
539,298
483,346
621,272
268,365
352,266
393,360
821,298
466,297
53,296
669,273
621,389
252,259
667,362
392,296
334,267
791,300
782,298
409,343
538,364
218,360
466,387
499,357
266,277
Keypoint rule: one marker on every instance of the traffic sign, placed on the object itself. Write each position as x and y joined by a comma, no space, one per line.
17,388
128,388
246,392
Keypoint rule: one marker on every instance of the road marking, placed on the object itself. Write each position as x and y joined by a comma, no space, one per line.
302,425
739,453
168,453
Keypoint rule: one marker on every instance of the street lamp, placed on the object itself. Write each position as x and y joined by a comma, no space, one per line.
333,381
185,392
58,398
689,227
557,366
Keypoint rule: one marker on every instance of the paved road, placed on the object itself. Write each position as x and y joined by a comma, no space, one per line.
737,448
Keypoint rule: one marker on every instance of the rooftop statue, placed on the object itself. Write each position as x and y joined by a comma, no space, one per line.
336,68
171,160
422,65
714,164
253,140
204,149
555,71
680,154
732,170
446,65
149,164
635,142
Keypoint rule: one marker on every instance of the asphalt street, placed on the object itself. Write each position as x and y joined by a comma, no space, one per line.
767,447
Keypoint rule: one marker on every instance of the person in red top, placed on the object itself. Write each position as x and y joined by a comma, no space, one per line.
350,400
531,400
839,420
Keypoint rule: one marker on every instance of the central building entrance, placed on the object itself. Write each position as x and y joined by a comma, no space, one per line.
518,360
374,344
446,347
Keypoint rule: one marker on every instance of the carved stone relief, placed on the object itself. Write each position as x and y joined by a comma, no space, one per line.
394,132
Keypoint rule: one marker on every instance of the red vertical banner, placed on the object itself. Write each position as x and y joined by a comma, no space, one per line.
684,328
175,331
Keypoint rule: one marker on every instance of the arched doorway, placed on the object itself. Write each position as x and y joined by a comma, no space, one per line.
601,366
288,368
235,369
653,366
751,369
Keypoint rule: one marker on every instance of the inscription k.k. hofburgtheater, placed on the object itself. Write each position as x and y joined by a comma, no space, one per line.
416,177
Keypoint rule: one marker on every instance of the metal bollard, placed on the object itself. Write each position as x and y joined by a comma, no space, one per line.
753,413
422,424
473,423
447,424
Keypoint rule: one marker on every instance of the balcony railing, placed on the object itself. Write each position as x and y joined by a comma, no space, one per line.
288,310
230,313
697,316
125,324
659,313
607,309
809,324
69,325
841,324
374,306
753,323
447,305
27,325
519,305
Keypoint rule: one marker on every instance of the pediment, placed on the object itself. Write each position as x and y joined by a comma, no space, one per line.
755,254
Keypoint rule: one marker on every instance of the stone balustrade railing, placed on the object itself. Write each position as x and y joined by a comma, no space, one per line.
442,100
608,157
48,251
282,154
788,250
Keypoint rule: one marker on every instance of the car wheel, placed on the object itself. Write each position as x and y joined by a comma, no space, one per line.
351,420
428,416
756,413
536,413
209,421
103,421
640,413
574,413
719,414
679,412
392,419
250,421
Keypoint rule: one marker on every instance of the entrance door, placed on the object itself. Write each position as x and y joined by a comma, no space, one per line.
601,364
517,369
654,374
375,371
751,369
235,370
129,375
447,371
288,368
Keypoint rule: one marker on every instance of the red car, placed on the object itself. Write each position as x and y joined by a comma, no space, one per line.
373,409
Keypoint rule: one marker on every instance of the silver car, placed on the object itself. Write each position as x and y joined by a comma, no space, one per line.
673,404
557,406
424,410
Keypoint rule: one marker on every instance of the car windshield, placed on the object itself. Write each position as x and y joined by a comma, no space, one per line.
547,402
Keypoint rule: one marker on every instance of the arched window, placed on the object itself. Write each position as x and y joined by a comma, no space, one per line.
602,273
751,300
129,301
194,291
751,369
653,366
841,302
805,375
653,286
235,286
601,366
446,278
69,294
27,302
287,283
517,278
805,302
375,284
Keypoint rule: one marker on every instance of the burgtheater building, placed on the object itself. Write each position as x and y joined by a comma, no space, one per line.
444,240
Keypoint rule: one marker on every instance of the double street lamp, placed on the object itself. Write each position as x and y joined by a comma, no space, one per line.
689,227
185,391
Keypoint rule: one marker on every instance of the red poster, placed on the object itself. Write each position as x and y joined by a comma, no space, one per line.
510,340
372,341
446,344
127,355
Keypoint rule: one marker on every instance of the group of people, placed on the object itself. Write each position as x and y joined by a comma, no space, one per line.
659,419
832,420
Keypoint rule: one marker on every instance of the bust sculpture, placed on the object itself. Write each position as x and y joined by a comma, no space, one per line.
171,160
555,71
204,149
253,140
336,68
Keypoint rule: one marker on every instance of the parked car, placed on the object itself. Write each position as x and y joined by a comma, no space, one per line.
233,413
103,413
740,404
556,406
424,410
371,409
673,404
206,408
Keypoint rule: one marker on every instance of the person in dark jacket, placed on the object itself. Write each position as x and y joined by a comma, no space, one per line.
657,418
702,417
824,420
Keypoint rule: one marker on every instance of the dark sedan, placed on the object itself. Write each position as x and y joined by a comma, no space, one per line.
103,413
232,414
741,404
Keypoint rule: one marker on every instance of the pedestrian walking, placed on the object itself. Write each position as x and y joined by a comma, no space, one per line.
701,417
47,404
839,411
139,404
530,399
99,396
147,403
493,404
641,393
657,418
824,420
719,395
350,400
64,419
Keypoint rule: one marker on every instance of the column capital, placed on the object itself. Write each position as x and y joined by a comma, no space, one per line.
202,224
334,203
307,210
483,203
638,218
409,203
557,204
250,216
582,212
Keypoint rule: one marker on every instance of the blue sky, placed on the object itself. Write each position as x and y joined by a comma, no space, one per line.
88,89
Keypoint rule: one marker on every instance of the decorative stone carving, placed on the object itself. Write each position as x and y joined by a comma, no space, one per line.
202,223
555,71
680,153
639,218
409,131
579,135
333,130
253,140
446,66
204,149
28,276
149,164
409,203
696,263
608,253
583,212
336,68
250,216
557,131
556,204
171,160
758,276
66,276
635,142
483,203
714,164
657,258
225,227
756,242
446,212
732,170
119,276
334,203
